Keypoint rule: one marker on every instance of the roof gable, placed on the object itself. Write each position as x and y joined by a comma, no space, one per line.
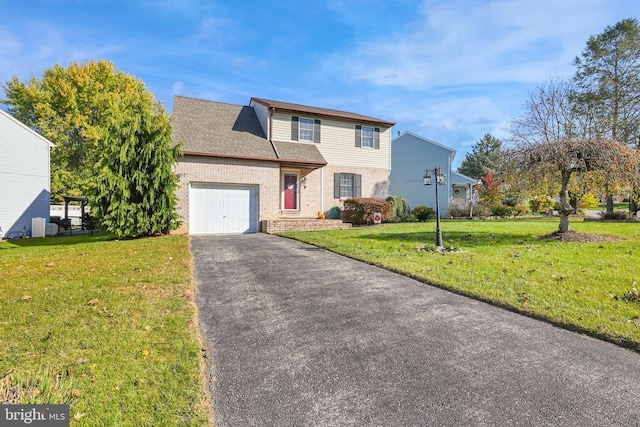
325,112
210,128
408,134
26,128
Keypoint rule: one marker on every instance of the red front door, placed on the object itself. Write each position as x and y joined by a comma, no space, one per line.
291,192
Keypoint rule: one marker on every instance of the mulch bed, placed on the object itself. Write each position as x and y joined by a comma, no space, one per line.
574,236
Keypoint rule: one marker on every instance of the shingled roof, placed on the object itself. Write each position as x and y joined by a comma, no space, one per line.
218,129
287,106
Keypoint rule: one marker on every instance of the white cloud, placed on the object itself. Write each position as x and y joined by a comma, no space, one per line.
461,42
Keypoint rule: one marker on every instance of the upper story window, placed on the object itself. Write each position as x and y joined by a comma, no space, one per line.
367,137
305,129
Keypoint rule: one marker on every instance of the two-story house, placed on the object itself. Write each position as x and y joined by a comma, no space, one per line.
412,156
251,168
24,177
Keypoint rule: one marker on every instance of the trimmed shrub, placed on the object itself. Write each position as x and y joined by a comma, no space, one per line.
360,210
400,210
501,211
541,204
617,215
423,213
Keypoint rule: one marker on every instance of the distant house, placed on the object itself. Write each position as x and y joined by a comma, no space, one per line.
411,156
24,176
265,165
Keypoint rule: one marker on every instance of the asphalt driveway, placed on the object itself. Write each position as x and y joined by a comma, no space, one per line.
299,336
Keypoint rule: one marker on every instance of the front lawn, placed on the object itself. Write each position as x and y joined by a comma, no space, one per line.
588,287
107,326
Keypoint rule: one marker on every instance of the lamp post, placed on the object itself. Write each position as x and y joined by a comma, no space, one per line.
471,194
441,179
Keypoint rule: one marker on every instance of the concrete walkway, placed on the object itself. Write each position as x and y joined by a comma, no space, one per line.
299,336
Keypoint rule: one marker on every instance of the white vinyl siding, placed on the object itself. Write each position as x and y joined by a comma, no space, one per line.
337,145
24,176
263,116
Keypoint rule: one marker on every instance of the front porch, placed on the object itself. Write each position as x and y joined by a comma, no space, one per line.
271,226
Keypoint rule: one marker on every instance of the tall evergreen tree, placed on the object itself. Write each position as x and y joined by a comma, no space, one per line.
608,84
485,158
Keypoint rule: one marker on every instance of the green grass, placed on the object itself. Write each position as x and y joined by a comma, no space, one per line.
581,286
107,326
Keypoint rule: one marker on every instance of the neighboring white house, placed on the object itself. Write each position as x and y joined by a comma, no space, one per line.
411,156
24,176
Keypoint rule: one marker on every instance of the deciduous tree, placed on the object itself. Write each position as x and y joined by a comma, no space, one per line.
113,143
548,142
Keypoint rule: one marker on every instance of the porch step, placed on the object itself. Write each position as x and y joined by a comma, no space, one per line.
271,226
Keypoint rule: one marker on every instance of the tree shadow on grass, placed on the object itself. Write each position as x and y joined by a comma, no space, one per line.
457,238
62,240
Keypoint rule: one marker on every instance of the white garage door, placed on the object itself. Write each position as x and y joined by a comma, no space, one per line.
217,209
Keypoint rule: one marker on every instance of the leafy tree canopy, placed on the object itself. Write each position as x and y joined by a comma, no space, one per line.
113,143
548,145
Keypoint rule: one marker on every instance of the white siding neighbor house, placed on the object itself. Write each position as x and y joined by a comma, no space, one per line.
24,177
411,156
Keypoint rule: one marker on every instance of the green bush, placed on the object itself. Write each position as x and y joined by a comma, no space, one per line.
589,201
400,210
501,211
423,213
541,204
360,210
617,215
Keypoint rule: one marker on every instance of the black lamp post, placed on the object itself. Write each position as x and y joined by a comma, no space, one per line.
441,179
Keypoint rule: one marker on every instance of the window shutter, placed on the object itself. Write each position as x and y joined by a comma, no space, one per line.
376,138
357,185
336,185
316,131
358,136
294,128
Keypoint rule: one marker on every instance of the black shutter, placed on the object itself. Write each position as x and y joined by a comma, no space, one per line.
336,185
294,128
357,185
316,131
358,136
376,138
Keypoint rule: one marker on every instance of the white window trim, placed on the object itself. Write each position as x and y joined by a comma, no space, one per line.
282,176
362,138
300,120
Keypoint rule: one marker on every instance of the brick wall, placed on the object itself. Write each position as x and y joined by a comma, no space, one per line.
215,170
275,226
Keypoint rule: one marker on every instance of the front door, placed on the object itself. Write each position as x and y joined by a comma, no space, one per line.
291,192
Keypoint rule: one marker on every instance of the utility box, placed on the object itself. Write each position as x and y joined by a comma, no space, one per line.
37,227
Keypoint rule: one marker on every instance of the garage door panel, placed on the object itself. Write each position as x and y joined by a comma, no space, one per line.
222,209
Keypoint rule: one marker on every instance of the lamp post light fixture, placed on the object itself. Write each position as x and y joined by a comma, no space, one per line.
441,179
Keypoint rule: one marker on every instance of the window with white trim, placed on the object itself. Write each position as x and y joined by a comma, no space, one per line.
305,127
347,185
367,137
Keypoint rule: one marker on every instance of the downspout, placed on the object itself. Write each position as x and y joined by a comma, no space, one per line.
270,124
322,188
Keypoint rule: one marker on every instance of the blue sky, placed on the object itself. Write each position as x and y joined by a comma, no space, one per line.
448,70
